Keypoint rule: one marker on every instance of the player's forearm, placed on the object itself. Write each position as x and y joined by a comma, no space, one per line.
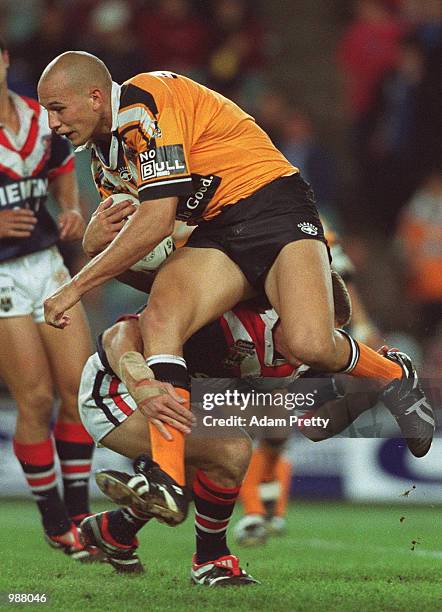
137,238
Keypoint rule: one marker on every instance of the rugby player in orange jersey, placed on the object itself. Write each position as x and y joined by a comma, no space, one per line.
189,153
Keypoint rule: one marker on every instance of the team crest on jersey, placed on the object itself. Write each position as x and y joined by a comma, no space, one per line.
125,173
238,352
157,133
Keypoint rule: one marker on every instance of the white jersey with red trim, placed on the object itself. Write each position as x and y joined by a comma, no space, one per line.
238,345
29,159
251,350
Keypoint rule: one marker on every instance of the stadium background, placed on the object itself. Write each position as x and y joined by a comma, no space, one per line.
350,91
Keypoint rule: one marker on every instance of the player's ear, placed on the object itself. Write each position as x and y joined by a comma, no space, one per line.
97,98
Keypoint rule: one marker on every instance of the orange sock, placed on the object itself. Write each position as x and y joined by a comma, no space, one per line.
169,454
367,363
372,365
283,474
258,468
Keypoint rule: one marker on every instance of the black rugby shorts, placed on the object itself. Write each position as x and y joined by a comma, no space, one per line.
254,230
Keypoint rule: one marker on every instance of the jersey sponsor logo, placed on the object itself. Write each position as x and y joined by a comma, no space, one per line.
162,161
29,191
239,351
308,228
193,206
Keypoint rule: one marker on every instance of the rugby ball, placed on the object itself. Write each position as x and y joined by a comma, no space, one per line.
154,259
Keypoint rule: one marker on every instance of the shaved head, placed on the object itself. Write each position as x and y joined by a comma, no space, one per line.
78,70
76,90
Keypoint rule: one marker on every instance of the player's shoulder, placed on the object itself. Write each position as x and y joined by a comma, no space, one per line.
32,103
157,81
158,86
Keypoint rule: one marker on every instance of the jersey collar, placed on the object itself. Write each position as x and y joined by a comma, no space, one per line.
25,114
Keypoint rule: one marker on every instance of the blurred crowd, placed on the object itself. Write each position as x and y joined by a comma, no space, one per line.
388,58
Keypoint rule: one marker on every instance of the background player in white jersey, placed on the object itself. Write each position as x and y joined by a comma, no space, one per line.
34,357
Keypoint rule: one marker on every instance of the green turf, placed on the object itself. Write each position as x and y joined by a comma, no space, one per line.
335,557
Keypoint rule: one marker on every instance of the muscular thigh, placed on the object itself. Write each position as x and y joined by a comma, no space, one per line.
193,287
67,352
299,288
24,365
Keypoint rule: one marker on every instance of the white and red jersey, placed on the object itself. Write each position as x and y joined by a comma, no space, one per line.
237,345
251,351
29,160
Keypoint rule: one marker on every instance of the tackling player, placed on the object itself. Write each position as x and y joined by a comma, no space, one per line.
33,358
109,414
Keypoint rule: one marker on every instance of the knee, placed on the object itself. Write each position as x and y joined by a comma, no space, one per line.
35,407
228,463
69,401
154,321
315,350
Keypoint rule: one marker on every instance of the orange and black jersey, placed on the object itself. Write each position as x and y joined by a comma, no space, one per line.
174,137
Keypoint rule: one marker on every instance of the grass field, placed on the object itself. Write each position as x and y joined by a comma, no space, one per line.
335,557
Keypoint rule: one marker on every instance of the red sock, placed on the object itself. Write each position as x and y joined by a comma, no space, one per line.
213,508
75,448
37,461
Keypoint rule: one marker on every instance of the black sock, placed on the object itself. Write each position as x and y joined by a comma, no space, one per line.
125,523
171,369
213,509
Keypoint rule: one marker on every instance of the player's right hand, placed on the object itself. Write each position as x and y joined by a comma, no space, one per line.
166,408
17,223
105,224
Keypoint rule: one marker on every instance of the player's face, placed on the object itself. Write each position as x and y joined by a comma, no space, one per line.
70,113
